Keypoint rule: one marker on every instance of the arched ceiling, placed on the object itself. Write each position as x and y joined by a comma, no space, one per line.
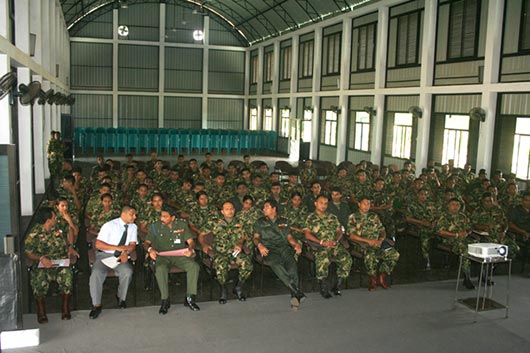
254,20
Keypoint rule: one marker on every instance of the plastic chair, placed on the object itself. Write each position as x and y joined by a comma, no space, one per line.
101,139
79,138
239,140
174,141
152,141
90,139
185,140
205,140
253,142
111,139
224,141
195,137
143,140
132,140
121,140
163,140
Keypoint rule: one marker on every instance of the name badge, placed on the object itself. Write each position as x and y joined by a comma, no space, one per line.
177,241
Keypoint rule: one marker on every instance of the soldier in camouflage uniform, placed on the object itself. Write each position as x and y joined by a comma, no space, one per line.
381,204
296,213
55,156
67,223
365,228
492,220
362,188
202,212
256,189
166,234
43,244
103,214
510,198
308,173
292,186
220,191
227,247
420,213
341,181
324,228
454,227
141,203
248,215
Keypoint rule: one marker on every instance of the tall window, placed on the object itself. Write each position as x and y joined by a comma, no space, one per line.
456,137
253,69
525,26
521,149
268,62
285,65
284,122
306,59
331,54
402,140
366,37
253,122
329,128
463,21
307,125
362,132
267,122
408,29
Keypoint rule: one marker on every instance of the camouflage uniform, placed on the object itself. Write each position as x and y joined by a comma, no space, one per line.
142,206
247,220
381,198
325,228
289,189
296,217
423,212
55,158
100,217
220,195
456,223
495,216
376,260
259,194
226,238
51,244
199,216
307,175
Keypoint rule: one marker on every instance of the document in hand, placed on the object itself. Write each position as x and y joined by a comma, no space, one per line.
181,252
57,263
111,262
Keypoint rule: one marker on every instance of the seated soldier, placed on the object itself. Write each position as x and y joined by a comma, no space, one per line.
167,234
420,213
380,258
43,244
228,239
454,227
519,221
273,239
324,228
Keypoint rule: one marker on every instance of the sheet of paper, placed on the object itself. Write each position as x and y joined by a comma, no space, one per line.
58,263
181,252
111,262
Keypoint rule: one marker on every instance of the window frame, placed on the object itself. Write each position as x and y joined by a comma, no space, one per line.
268,66
253,120
364,134
416,62
285,122
522,24
329,128
286,62
402,136
307,120
306,64
254,66
476,33
359,29
515,139
458,135
267,119
331,59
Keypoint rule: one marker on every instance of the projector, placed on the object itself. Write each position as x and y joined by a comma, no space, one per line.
488,250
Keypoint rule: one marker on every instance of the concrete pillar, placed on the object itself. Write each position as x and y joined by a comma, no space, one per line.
5,108
22,25
25,150
317,71
46,128
342,137
205,68
38,152
161,64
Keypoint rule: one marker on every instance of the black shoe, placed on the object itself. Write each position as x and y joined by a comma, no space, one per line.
164,306
190,303
94,313
295,303
324,290
468,284
487,282
300,296
121,303
336,288
238,291
223,295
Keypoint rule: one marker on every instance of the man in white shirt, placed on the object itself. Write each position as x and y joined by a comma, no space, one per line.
117,238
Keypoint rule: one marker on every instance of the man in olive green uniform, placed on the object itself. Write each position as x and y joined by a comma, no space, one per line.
43,244
365,227
454,227
228,238
273,239
324,228
166,234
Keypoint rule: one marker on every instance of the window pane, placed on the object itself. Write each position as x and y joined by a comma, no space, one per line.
253,124
522,126
362,117
268,120
458,122
403,119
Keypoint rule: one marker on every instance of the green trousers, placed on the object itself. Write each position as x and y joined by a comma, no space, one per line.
188,264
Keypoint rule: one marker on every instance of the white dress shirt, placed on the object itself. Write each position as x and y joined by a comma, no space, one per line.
112,231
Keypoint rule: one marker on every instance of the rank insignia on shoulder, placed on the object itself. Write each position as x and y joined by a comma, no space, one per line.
282,225
178,230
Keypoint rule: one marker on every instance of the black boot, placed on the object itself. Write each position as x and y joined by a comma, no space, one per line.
41,310
296,293
164,306
324,289
65,307
467,281
336,288
238,291
190,303
222,295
